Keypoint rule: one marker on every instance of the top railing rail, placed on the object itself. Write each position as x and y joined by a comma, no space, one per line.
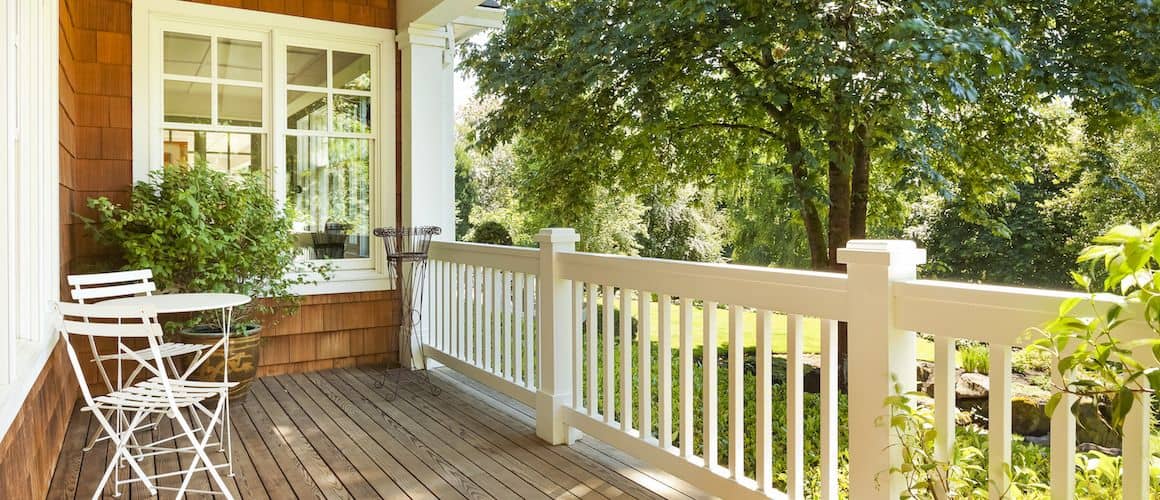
810,293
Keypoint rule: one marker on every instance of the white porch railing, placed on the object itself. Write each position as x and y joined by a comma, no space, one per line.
535,324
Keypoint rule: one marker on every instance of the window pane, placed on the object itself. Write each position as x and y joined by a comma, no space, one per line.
352,71
352,113
305,66
223,151
239,60
240,106
187,54
328,193
187,102
306,110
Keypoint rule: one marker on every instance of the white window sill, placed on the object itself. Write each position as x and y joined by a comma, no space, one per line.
345,281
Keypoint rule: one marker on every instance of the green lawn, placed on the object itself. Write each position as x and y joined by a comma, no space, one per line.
813,343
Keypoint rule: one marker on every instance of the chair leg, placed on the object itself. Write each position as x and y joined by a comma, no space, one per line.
199,450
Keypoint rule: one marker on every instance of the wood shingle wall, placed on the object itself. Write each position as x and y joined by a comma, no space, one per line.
96,154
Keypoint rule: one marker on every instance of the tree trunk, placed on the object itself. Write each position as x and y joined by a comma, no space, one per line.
811,219
838,139
860,196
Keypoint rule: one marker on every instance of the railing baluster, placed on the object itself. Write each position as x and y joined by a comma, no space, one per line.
577,344
530,330
709,384
944,397
764,451
795,406
517,326
508,326
469,309
460,317
686,378
665,372
432,305
625,359
644,362
592,382
1062,478
480,319
829,404
497,307
1136,442
999,419
736,393
609,379
487,335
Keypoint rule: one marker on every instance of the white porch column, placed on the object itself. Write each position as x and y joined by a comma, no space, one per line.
428,135
555,319
428,127
879,353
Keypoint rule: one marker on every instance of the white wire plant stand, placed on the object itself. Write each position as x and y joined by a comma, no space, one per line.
407,249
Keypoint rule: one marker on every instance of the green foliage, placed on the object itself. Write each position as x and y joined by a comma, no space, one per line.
1034,246
925,474
625,95
201,230
1096,363
685,226
964,474
974,358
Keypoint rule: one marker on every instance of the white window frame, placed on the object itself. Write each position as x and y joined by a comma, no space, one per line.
29,196
151,18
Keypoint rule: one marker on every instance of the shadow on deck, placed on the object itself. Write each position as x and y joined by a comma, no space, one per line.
332,434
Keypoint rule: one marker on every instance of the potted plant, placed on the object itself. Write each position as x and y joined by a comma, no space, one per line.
201,230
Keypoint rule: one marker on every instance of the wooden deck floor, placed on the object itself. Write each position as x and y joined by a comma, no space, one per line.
333,435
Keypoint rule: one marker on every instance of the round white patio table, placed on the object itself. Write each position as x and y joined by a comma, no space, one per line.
169,303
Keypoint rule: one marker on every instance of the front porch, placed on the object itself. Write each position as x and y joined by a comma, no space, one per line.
332,434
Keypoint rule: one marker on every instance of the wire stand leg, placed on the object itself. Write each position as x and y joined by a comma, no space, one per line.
412,278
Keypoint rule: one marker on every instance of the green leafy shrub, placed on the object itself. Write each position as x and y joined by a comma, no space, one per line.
1096,364
492,233
201,230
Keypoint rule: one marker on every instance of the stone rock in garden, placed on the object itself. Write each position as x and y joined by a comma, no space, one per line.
1091,428
1028,417
972,386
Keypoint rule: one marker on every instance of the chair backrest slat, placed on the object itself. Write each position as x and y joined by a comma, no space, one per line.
104,292
114,277
89,287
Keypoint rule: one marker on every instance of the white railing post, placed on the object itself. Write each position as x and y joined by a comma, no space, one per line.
879,354
555,322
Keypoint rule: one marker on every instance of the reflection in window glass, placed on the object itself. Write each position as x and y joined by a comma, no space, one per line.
228,152
306,66
351,71
187,102
328,193
239,60
187,54
239,106
352,113
306,110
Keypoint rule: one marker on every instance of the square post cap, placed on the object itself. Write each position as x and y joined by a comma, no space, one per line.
882,253
557,235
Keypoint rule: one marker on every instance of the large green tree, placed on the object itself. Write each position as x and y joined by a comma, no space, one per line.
615,94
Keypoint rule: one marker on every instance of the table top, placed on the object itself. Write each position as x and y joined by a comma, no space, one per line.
184,302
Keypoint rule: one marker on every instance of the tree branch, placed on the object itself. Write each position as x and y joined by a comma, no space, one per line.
735,126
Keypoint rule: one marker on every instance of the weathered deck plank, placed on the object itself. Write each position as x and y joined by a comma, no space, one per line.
333,434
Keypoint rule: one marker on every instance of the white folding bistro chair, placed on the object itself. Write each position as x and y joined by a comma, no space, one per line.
90,288
122,413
